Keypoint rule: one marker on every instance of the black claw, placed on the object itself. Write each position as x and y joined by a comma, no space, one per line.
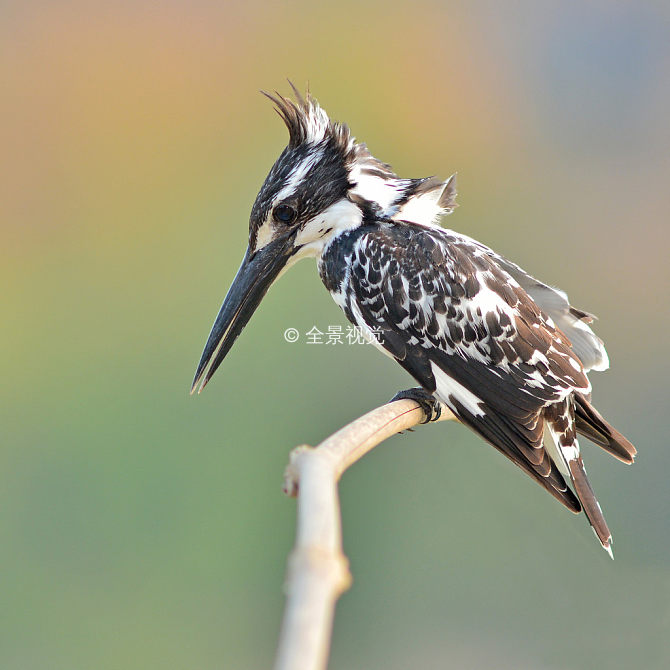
429,404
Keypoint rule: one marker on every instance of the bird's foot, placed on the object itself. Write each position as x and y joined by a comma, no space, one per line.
427,401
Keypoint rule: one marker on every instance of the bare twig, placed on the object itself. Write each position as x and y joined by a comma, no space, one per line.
318,570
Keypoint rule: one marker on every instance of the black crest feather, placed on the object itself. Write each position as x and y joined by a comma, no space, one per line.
303,114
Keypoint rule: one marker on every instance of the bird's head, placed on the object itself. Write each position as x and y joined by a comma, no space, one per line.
323,184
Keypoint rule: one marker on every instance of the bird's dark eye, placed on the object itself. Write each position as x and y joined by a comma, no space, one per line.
284,214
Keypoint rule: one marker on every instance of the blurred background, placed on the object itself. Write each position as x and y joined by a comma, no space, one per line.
143,528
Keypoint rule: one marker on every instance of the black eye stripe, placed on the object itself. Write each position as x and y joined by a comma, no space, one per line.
284,214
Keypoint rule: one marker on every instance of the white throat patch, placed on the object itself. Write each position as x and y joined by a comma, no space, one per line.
320,231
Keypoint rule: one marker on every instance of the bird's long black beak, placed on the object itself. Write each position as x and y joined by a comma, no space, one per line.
253,279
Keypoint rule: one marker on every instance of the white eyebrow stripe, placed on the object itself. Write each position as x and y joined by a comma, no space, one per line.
299,173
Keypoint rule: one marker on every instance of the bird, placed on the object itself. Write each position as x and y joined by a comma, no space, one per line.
504,352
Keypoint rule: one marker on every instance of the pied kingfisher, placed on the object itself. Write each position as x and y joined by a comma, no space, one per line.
504,352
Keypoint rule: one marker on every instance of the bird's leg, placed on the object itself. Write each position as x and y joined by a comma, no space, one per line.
427,401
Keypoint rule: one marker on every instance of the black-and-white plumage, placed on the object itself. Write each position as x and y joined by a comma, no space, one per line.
506,353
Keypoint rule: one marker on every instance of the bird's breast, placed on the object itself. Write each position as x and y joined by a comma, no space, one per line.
334,263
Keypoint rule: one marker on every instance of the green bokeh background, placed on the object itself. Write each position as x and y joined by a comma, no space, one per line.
143,528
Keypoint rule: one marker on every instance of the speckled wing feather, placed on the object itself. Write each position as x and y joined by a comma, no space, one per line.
470,334
555,304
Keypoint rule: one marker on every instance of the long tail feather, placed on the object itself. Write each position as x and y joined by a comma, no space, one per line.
590,503
561,425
